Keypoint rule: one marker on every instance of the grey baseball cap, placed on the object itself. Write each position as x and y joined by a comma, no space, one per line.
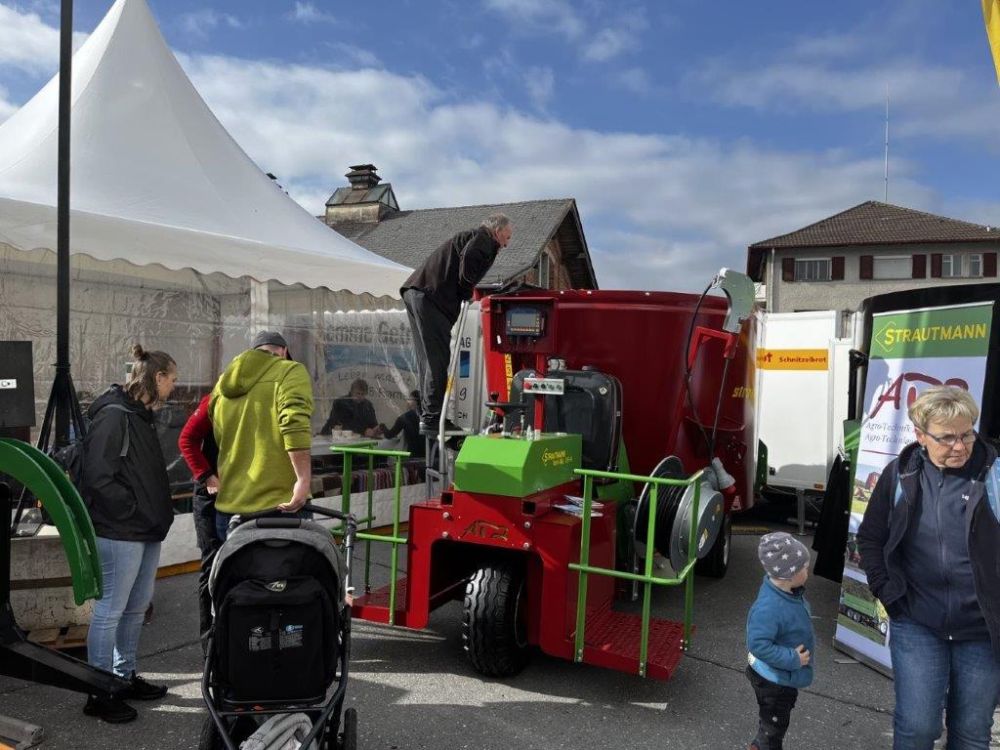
273,338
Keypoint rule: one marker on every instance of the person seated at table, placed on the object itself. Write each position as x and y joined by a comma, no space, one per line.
409,424
353,413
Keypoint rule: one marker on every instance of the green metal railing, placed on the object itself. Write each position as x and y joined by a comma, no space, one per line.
367,449
647,578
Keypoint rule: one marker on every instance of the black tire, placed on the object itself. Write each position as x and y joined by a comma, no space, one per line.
239,730
349,735
494,625
716,562
210,738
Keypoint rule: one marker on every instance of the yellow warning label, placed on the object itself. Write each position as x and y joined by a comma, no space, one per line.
792,359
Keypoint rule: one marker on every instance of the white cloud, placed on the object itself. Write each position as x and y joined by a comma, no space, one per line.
541,84
635,80
538,15
607,44
357,55
308,13
660,211
26,41
200,23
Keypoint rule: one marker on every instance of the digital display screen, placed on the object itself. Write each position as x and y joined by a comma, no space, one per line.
524,321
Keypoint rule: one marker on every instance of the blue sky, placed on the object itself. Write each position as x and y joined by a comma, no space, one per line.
686,130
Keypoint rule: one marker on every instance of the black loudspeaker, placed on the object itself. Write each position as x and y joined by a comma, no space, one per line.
17,385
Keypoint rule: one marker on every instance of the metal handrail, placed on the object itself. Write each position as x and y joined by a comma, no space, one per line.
366,449
647,579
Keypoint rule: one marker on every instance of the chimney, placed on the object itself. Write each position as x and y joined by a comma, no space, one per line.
365,201
363,177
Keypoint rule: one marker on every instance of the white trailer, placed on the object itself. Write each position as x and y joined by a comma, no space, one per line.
802,385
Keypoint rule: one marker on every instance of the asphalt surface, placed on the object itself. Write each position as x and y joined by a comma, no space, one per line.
415,690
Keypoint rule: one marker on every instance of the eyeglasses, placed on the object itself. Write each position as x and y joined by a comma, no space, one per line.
950,440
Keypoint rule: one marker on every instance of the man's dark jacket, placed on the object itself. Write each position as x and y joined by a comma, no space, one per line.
350,414
128,496
893,514
450,274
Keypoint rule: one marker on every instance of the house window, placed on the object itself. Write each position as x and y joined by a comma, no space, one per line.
892,267
814,269
951,266
544,271
975,264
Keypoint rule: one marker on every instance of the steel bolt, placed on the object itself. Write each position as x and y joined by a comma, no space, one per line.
527,524
445,535
526,545
447,516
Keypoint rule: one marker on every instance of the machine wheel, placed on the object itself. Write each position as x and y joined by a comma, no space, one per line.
716,562
494,625
348,739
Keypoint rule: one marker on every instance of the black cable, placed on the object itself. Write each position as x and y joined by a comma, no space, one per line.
687,372
718,409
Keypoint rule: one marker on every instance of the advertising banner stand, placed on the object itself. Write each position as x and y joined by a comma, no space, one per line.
914,340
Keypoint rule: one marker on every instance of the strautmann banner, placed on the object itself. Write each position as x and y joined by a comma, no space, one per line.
909,351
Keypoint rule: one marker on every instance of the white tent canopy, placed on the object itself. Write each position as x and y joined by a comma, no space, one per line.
157,179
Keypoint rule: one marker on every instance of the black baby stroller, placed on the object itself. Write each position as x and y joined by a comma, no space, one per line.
277,656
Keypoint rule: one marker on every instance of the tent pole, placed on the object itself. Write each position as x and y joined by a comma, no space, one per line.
62,386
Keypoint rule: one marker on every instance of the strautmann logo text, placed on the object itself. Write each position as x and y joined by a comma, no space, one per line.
891,335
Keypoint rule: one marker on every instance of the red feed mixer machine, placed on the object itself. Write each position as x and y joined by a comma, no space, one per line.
626,426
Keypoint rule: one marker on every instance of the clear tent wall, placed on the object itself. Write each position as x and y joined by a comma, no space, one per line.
202,321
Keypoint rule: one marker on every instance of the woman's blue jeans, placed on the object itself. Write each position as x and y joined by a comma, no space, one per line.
129,573
931,674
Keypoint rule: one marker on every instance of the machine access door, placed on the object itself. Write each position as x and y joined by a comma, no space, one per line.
591,406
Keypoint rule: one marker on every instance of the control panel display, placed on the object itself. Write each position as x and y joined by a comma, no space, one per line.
525,321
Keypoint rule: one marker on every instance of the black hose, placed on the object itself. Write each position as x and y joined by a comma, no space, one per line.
709,442
718,409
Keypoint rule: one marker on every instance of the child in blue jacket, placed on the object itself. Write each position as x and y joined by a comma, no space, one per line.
780,636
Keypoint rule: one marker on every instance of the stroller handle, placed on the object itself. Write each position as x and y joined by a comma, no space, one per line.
281,519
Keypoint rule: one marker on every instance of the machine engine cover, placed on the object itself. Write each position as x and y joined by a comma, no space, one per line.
711,514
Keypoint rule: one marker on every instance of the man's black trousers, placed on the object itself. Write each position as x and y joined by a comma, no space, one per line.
775,703
432,343
203,511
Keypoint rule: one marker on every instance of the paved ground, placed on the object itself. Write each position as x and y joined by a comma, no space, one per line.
414,690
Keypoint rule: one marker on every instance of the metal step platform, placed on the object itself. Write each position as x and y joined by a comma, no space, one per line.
612,640
374,605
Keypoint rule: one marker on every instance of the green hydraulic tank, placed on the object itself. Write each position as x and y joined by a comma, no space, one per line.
513,466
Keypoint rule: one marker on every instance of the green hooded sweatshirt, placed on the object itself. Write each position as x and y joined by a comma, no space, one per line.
261,408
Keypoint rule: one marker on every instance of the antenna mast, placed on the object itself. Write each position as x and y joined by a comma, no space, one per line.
887,142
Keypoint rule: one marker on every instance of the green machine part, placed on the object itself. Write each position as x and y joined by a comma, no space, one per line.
852,441
46,481
515,467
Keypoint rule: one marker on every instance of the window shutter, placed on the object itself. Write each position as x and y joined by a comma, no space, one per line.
920,266
837,268
867,267
989,264
935,265
788,269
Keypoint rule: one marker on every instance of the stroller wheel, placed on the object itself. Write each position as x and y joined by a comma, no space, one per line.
210,739
349,737
239,730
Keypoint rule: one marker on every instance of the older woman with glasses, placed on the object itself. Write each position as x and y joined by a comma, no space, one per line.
929,544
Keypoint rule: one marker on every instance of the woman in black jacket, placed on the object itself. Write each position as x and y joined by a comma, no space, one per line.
127,492
928,546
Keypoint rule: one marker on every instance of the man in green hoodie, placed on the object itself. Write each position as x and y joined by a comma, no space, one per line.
261,410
